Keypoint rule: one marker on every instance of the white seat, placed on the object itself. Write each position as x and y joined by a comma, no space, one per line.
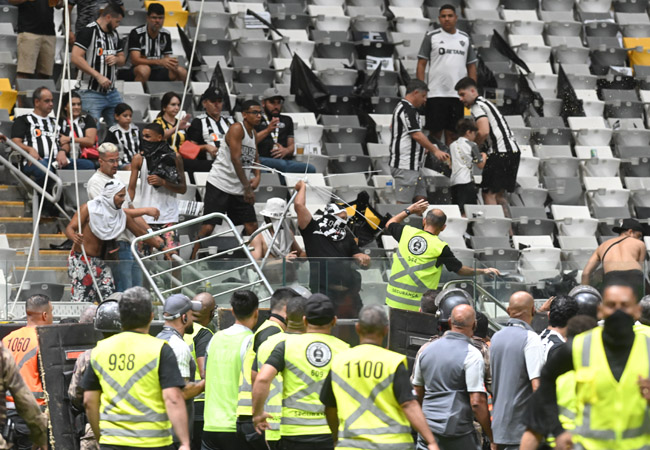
329,18
318,193
339,76
408,44
528,166
597,161
639,190
368,18
542,80
539,258
238,12
382,122
379,155
384,188
488,220
592,105
590,130
297,40
630,132
606,191
409,19
482,4
574,220
523,21
389,242
557,161
595,6
347,186
530,47
406,3
576,250
456,223
530,192
306,130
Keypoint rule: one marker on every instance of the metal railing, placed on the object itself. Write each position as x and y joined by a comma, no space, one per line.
481,296
201,277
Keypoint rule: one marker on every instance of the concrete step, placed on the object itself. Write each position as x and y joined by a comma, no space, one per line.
10,192
52,257
23,224
43,273
20,241
12,208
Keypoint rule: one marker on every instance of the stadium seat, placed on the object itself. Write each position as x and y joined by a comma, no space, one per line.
528,163
538,258
576,250
488,220
630,132
481,4
384,188
635,161
590,130
565,191
601,29
333,44
409,20
407,45
597,161
307,131
530,47
343,129
335,76
591,104
318,193
270,186
253,70
346,158
8,95
520,4
239,15
566,27
557,161
574,220
529,192
639,190
523,22
289,16
549,131
329,18
214,41
251,43
595,6
296,41
367,18
630,6
9,13
382,123
606,191
527,220
348,185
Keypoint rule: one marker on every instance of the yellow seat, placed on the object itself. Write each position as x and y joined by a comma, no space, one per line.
8,95
174,12
638,58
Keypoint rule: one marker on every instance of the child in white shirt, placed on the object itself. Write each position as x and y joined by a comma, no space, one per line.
465,153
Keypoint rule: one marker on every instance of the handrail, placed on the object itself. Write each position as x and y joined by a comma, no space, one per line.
481,299
58,183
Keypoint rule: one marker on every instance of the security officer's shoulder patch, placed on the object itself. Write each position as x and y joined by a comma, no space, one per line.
417,245
318,354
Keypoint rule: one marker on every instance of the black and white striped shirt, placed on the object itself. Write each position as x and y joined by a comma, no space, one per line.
38,132
98,45
205,130
149,47
501,139
128,141
405,152
79,125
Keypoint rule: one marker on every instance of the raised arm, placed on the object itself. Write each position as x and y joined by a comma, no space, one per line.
299,205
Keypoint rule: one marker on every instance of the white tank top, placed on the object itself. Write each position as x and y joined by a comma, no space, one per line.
222,174
161,198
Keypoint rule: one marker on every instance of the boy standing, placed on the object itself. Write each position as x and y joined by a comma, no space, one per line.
464,153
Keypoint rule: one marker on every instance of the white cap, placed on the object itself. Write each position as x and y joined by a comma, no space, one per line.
274,208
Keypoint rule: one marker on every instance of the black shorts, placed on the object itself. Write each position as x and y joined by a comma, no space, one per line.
500,172
463,194
443,113
215,440
158,73
233,206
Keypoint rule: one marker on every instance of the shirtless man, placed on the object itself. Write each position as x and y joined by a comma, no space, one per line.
102,219
625,255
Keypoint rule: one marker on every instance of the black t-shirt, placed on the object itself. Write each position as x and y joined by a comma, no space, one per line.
320,246
201,341
36,17
263,335
284,132
446,256
402,388
168,373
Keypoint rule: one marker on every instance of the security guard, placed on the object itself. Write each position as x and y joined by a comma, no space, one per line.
23,345
198,341
133,394
275,324
273,405
304,362
368,398
223,367
418,259
611,366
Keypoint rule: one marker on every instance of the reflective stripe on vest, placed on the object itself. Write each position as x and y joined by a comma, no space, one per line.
245,397
414,269
273,403
23,345
189,340
132,410
595,396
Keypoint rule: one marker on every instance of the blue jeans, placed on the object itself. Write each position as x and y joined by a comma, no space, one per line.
287,165
126,271
101,104
39,176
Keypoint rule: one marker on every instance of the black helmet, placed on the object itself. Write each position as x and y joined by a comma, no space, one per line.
107,317
588,299
448,299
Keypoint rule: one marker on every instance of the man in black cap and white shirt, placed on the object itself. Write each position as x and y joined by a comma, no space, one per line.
208,130
275,142
179,320
621,257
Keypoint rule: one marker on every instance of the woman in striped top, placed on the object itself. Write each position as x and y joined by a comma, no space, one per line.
83,126
170,105
125,135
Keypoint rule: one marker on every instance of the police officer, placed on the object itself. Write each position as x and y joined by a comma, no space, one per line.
224,364
106,320
419,257
304,362
275,324
273,405
23,345
588,299
368,398
133,394
611,364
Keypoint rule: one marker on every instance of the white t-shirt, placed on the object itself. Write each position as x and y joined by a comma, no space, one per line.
95,187
161,198
462,159
222,174
448,56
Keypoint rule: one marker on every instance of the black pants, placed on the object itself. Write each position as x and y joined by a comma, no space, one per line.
216,440
198,435
310,443
248,436
21,434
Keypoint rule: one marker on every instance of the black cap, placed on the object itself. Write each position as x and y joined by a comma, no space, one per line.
319,309
628,224
213,94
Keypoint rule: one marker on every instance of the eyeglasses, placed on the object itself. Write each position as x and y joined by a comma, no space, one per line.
256,113
111,161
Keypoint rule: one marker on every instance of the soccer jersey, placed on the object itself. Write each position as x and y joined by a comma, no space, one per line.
98,44
405,152
501,139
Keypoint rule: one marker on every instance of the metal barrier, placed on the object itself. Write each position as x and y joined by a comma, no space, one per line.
481,298
190,266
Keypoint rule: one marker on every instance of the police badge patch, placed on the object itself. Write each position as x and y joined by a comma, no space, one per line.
417,245
319,354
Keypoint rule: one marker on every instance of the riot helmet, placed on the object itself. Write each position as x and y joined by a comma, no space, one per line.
447,300
588,299
107,317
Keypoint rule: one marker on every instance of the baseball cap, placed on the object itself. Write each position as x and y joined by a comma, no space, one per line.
319,309
212,93
273,208
179,304
273,92
628,224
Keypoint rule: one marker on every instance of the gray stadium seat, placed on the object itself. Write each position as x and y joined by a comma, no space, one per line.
530,221
549,131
